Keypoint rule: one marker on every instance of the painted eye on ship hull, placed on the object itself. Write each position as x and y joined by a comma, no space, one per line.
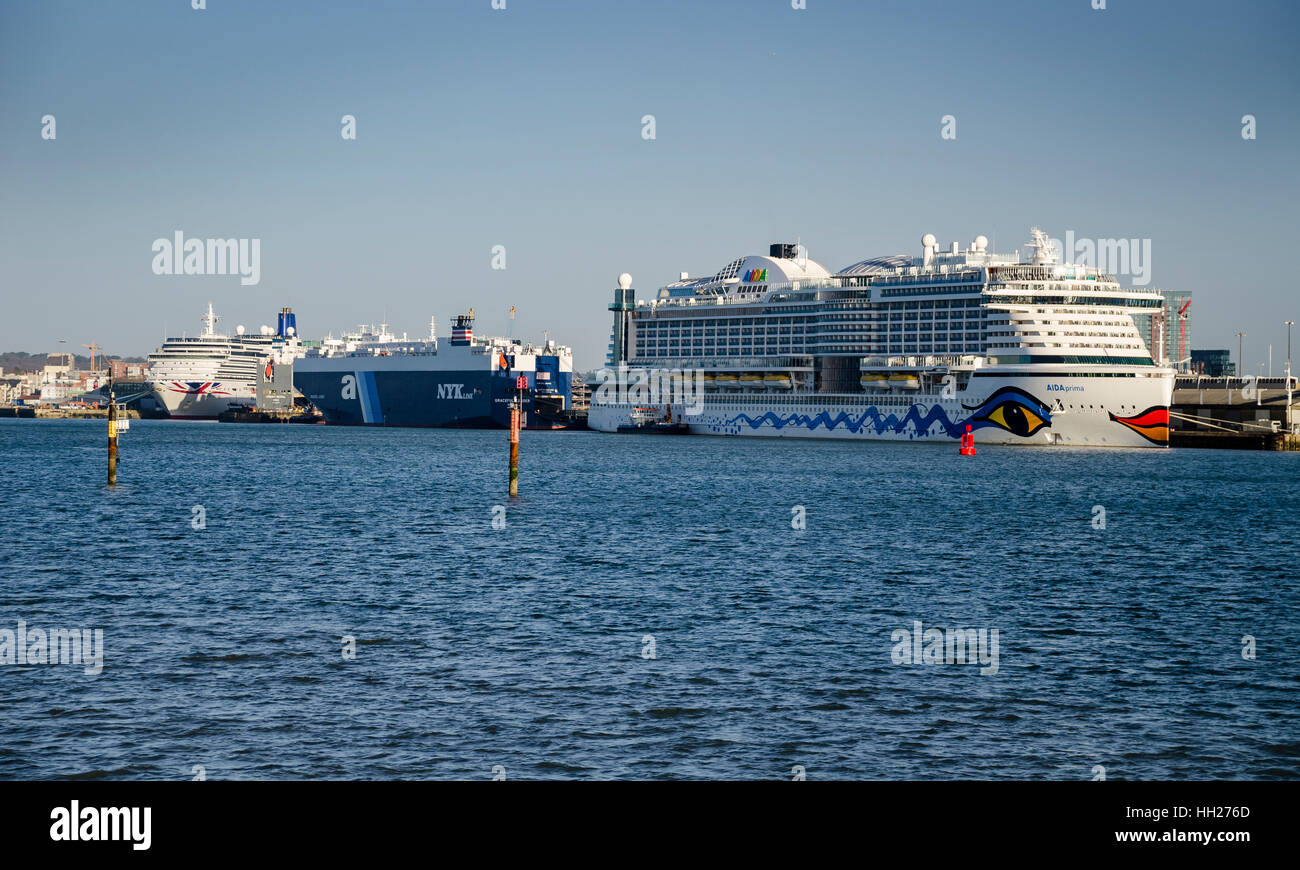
1016,418
1011,409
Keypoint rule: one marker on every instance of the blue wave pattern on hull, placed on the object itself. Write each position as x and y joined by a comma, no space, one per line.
982,416
872,417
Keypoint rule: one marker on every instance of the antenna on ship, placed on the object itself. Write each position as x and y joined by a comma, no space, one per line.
510,327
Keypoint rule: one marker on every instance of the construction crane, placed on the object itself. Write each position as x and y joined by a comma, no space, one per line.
93,347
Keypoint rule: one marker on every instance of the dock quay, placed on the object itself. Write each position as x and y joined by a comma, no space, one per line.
1235,413
1235,440
285,415
43,412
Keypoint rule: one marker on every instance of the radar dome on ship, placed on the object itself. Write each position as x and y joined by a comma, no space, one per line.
929,240
624,281
239,330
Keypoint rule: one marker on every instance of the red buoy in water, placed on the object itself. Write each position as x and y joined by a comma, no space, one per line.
968,442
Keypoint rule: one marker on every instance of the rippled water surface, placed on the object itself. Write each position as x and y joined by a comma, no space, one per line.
526,648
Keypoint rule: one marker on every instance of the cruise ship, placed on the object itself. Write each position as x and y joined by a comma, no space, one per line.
1015,349
468,381
200,377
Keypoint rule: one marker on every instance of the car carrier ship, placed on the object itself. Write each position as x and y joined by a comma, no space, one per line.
464,382
1020,349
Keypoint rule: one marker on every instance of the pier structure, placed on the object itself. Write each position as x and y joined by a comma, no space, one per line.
1233,412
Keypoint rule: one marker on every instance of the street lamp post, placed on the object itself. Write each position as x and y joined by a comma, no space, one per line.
1289,324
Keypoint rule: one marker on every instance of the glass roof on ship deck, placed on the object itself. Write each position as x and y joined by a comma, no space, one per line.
876,265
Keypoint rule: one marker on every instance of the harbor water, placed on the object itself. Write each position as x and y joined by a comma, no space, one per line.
317,602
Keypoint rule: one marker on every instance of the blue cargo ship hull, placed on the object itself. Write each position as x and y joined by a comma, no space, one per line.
462,399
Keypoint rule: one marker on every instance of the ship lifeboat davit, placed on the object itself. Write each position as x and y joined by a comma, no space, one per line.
777,381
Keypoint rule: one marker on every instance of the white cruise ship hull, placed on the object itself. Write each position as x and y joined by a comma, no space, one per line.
194,400
1103,409
202,377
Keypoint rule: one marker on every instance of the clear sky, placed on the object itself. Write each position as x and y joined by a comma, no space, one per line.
522,128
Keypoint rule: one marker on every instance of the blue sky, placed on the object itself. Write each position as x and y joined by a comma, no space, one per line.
522,128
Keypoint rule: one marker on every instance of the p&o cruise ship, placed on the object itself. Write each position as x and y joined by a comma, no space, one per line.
1017,349
200,377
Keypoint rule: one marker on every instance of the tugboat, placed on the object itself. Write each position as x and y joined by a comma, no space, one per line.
649,421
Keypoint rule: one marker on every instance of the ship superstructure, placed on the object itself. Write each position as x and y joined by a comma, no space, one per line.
200,377
1020,348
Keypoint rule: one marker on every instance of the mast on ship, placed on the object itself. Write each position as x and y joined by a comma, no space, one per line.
209,322
1042,250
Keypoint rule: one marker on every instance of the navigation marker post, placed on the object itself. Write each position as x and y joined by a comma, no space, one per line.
112,432
520,383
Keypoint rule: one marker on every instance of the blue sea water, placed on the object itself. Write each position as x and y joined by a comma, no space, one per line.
525,651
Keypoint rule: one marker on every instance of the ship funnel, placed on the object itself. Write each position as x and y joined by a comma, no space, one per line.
287,324
462,328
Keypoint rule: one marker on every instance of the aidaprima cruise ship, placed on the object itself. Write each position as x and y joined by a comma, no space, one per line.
1016,349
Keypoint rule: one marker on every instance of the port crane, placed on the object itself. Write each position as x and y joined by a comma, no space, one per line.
93,347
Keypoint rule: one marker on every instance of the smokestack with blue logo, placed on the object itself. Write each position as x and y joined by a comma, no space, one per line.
288,324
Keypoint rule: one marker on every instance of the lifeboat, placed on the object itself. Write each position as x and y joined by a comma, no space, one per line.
777,381
709,379
726,380
905,381
873,381
750,380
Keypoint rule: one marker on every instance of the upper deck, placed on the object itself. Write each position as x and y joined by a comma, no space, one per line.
957,301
